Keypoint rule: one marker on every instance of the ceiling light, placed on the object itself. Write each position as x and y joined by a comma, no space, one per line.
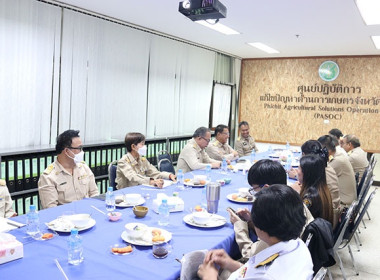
376,41
186,4
263,47
218,27
370,11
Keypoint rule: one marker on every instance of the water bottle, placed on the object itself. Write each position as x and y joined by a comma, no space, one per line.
180,179
75,247
163,213
288,165
110,200
270,149
287,145
253,155
224,166
33,221
208,172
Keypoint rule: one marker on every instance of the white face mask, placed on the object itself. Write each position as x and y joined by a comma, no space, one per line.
77,157
142,151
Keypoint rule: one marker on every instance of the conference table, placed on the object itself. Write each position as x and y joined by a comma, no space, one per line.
100,263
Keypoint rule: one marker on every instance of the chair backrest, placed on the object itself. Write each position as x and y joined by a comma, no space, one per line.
362,180
372,161
112,174
164,154
357,178
345,220
166,165
365,190
320,274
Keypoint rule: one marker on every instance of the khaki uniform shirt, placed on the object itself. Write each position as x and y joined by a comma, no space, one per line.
56,186
132,172
247,247
333,185
192,157
6,209
219,151
346,177
244,146
358,160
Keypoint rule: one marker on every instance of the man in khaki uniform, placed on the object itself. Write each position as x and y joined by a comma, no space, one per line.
219,148
193,156
6,210
245,142
343,169
134,169
68,178
356,155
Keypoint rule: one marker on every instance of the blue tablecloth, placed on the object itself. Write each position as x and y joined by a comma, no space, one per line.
99,263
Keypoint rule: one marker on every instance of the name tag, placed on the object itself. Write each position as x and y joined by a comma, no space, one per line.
82,177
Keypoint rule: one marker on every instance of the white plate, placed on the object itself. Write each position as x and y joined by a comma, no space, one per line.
146,239
294,163
191,184
229,197
216,221
125,204
64,225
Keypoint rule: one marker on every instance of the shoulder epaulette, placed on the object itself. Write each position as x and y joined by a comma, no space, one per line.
331,157
216,143
238,138
268,260
2,182
307,202
49,169
143,158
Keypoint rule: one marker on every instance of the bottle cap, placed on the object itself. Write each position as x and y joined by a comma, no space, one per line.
110,189
164,201
179,170
175,193
32,207
74,231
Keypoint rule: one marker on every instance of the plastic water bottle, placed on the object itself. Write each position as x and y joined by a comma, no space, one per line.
33,221
75,247
270,149
208,172
288,165
163,213
110,200
287,145
224,166
253,155
180,179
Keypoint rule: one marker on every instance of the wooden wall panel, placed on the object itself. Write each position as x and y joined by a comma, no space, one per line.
286,100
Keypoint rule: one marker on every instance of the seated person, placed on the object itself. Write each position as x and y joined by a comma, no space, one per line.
245,142
68,178
278,217
356,155
263,173
339,136
6,210
219,148
343,169
193,156
314,147
134,169
313,187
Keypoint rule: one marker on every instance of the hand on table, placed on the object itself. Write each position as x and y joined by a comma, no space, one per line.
173,177
216,165
159,183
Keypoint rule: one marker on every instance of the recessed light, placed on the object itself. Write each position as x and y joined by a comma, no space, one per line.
263,47
370,11
376,41
218,27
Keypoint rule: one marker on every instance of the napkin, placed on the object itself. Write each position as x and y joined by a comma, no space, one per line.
7,225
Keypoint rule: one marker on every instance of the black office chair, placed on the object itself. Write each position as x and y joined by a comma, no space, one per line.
166,165
164,154
362,180
112,167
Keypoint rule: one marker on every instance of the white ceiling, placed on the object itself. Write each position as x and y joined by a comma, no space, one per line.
325,27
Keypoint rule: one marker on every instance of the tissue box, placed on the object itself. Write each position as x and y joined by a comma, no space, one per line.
175,203
10,248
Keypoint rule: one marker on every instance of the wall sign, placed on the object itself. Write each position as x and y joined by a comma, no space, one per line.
328,71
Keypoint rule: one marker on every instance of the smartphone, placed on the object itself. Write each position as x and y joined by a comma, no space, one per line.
229,208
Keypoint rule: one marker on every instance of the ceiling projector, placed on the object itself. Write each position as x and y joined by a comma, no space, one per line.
202,9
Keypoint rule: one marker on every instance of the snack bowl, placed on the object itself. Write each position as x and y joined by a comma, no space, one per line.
244,192
227,180
221,182
199,179
114,216
140,211
132,198
79,220
201,217
135,230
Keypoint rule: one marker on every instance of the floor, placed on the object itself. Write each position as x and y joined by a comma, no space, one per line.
368,258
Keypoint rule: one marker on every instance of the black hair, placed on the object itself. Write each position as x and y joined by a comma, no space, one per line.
243,123
266,171
133,138
314,147
278,211
336,132
64,140
220,128
328,142
201,132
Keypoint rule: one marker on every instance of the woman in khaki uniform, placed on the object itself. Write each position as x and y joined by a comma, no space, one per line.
134,169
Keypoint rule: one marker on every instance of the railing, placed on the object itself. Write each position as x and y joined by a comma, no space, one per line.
21,169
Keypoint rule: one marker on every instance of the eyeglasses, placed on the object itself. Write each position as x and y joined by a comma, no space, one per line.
80,148
226,133
207,140
255,189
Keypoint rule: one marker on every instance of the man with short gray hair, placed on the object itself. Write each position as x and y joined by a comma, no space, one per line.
193,155
356,155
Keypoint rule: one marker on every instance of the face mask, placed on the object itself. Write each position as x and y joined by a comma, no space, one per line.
142,151
77,157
